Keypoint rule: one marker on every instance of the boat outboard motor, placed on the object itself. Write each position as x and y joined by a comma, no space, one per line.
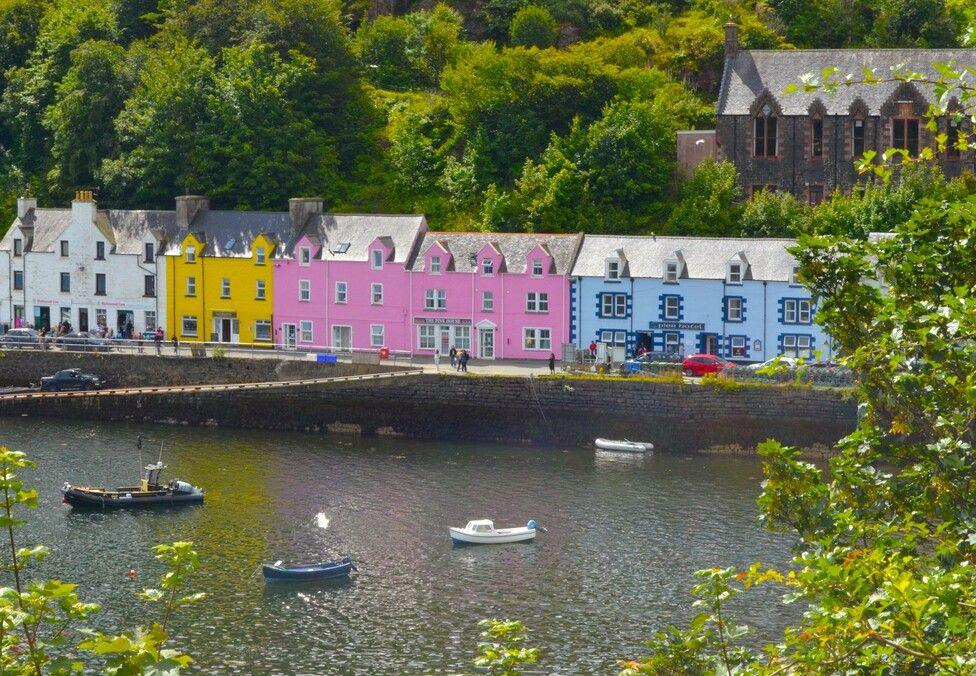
183,487
531,524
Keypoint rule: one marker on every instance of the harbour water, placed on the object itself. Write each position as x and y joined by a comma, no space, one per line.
625,534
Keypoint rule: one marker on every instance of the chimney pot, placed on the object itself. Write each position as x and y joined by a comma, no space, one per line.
299,210
187,209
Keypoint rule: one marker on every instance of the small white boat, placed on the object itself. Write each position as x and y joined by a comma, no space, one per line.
483,532
625,446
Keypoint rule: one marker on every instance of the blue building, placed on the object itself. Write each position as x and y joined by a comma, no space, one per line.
736,298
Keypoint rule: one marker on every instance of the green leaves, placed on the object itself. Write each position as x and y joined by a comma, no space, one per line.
501,650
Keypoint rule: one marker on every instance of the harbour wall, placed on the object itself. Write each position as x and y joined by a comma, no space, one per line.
23,368
556,411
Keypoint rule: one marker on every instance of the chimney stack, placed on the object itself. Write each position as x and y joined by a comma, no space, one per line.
24,205
83,207
187,208
299,210
731,40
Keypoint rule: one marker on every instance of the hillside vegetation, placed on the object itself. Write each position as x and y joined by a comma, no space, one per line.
554,115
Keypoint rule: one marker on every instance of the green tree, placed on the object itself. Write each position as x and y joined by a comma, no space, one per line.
533,26
771,214
707,201
81,122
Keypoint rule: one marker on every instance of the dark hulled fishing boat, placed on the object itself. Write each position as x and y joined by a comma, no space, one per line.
150,493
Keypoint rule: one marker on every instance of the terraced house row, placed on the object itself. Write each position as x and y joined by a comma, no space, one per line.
308,279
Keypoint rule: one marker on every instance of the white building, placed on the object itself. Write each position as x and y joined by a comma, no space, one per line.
86,266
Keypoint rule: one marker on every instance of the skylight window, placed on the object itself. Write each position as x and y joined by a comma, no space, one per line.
341,248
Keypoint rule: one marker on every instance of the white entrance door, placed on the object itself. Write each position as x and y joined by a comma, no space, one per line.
289,335
486,343
342,337
445,339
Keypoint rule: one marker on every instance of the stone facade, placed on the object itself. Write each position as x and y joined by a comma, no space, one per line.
817,138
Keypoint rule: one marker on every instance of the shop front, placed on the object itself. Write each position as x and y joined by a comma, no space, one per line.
442,333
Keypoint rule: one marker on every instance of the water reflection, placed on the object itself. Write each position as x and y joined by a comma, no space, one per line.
625,535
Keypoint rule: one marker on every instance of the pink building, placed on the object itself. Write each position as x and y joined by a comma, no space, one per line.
500,296
342,282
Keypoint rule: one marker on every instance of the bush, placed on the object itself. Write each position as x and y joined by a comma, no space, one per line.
533,26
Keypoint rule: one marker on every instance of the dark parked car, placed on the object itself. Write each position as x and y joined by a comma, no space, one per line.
71,379
83,341
700,364
23,338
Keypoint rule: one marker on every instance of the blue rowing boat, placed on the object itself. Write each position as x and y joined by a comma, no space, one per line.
308,573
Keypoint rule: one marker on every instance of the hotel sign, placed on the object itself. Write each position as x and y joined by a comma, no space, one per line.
446,321
677,326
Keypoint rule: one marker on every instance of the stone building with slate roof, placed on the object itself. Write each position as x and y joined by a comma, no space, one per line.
808,143
87,266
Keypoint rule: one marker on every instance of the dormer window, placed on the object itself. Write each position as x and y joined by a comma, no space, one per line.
259,255
671,270
191,254
537,268
18,247
304,255
435,265
376,259
99,251
613,269
487,266
735,273
150,253
794,276
765,132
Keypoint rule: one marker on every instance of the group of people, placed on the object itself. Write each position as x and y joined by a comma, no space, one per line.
459,359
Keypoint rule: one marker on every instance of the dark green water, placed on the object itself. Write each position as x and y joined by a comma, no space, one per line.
625,536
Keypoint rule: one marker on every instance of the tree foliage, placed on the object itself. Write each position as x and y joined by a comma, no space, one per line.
533,26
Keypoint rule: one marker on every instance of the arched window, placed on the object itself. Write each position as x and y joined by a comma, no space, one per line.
857,137
765,132
816,136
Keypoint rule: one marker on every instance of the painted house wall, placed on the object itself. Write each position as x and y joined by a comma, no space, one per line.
209,302
125,274
358,312
700,302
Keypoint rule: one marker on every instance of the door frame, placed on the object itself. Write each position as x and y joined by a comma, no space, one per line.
287,343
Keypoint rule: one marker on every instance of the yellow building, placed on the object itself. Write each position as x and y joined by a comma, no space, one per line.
221,294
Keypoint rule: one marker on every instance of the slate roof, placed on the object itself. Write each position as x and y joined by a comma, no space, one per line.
129,228
515,247
751,71
333,231
47,227
704,257
230,233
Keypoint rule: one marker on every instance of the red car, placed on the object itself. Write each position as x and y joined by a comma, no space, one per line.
700,364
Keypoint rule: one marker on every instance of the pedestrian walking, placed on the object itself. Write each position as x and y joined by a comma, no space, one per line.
552,363
464,360
454,356
437,360
176,345
592,350
158,340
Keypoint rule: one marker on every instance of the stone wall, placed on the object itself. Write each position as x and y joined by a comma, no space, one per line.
21,368
559,411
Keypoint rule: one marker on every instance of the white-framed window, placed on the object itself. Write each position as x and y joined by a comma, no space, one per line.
64,248
613,304
101,283
341,292
376,259
487,301
99,250
304,256
799,347
536,339
101,317
435,299
672,342
671,272
613,338
376,294
427,337
462,337
149,286
262,330
66,314
305,331
672,307
612,270
536,267
189,325
150,253
305,290
191,286
19,247
796,311
487,266
260,255
435,265
737,346
260,289
191,254
225,288
149,317
537,302
733,309
18,280
795,276
377,335
735,273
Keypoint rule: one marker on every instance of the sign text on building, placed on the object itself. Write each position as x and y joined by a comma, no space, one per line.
677,326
